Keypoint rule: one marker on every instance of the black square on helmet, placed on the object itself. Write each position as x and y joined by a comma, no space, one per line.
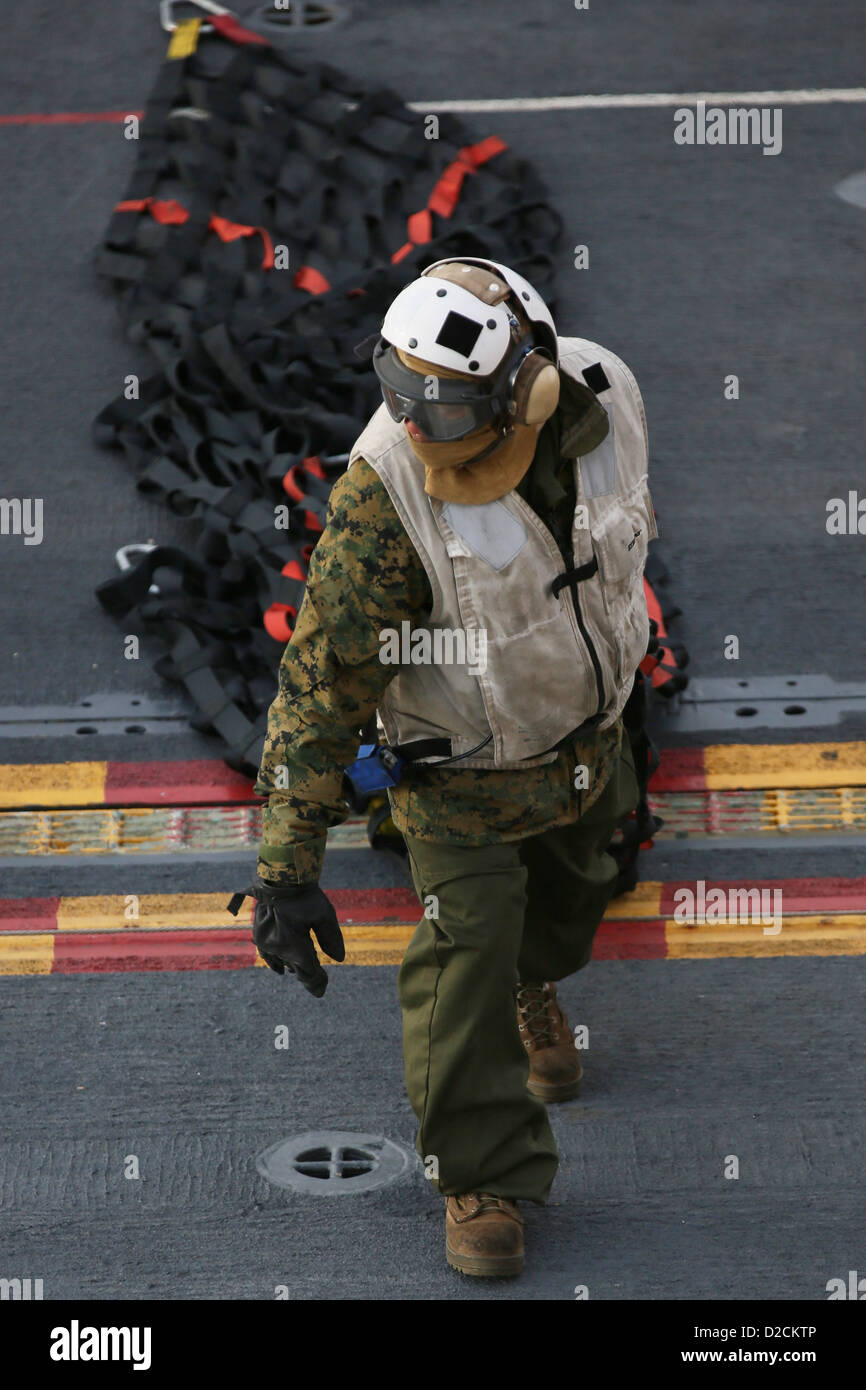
458,333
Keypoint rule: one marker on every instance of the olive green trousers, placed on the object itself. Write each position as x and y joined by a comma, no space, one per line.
523,910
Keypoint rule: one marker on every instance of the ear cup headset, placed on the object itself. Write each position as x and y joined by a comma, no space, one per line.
462,314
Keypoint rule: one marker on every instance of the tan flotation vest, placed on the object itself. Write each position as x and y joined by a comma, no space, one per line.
552,661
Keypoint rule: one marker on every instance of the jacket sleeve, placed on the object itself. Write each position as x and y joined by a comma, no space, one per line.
364,575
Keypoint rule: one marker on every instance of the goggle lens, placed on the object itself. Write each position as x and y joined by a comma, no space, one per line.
438,420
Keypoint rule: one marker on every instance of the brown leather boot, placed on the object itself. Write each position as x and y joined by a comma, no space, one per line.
483,1234
554,1061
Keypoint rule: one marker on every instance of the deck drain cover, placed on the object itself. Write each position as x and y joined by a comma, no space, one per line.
329,1163
305,14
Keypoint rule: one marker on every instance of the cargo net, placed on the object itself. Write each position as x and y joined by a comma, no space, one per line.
274,211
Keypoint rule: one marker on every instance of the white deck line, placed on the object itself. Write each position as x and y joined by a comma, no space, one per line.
805,96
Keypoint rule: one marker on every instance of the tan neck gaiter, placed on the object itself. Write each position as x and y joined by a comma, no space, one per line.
447,476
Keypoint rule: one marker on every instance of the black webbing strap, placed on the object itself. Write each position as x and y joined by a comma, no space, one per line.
257,241
642,824
669,655
571,577
423,748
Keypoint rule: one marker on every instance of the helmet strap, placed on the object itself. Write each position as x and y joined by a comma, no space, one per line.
489,448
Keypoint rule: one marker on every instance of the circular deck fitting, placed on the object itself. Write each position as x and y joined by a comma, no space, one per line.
328,1163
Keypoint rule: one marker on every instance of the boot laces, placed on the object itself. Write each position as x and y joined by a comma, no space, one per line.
487,1201
534,1002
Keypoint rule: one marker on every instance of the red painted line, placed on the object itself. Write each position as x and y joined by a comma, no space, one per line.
77,952
68,117
812,895
630,939
196,783
375,905
28,914
101,953
680,770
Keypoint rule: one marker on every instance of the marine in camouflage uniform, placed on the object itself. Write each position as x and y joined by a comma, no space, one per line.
515,858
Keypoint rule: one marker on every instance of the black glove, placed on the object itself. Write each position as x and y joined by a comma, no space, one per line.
284,917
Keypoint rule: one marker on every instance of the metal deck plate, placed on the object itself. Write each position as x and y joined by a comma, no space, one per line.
761,702
96,714
334,1163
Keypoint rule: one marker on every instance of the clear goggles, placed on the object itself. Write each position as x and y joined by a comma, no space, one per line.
443,408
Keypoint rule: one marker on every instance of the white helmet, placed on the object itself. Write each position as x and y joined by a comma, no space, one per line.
467,330
469,316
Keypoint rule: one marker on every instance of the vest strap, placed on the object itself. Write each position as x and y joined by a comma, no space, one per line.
574,576
423,748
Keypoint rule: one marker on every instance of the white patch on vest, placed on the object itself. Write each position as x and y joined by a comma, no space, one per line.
489,529
598,469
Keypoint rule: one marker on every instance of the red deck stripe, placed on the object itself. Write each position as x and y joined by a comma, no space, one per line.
680,770
28,914
198,782
375,905
75,952
80,952
813,895
67,117
630,939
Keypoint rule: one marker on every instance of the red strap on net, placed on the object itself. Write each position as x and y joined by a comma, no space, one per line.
446,191
170,213
230,231
308,278
167,212
651,665
231,28
278,616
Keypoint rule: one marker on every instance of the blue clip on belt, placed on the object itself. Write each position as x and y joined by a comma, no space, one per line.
375,769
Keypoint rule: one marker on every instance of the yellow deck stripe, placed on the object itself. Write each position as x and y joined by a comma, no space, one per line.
375,945
836,934
108,912
26,955
642,901
46,785
779,765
